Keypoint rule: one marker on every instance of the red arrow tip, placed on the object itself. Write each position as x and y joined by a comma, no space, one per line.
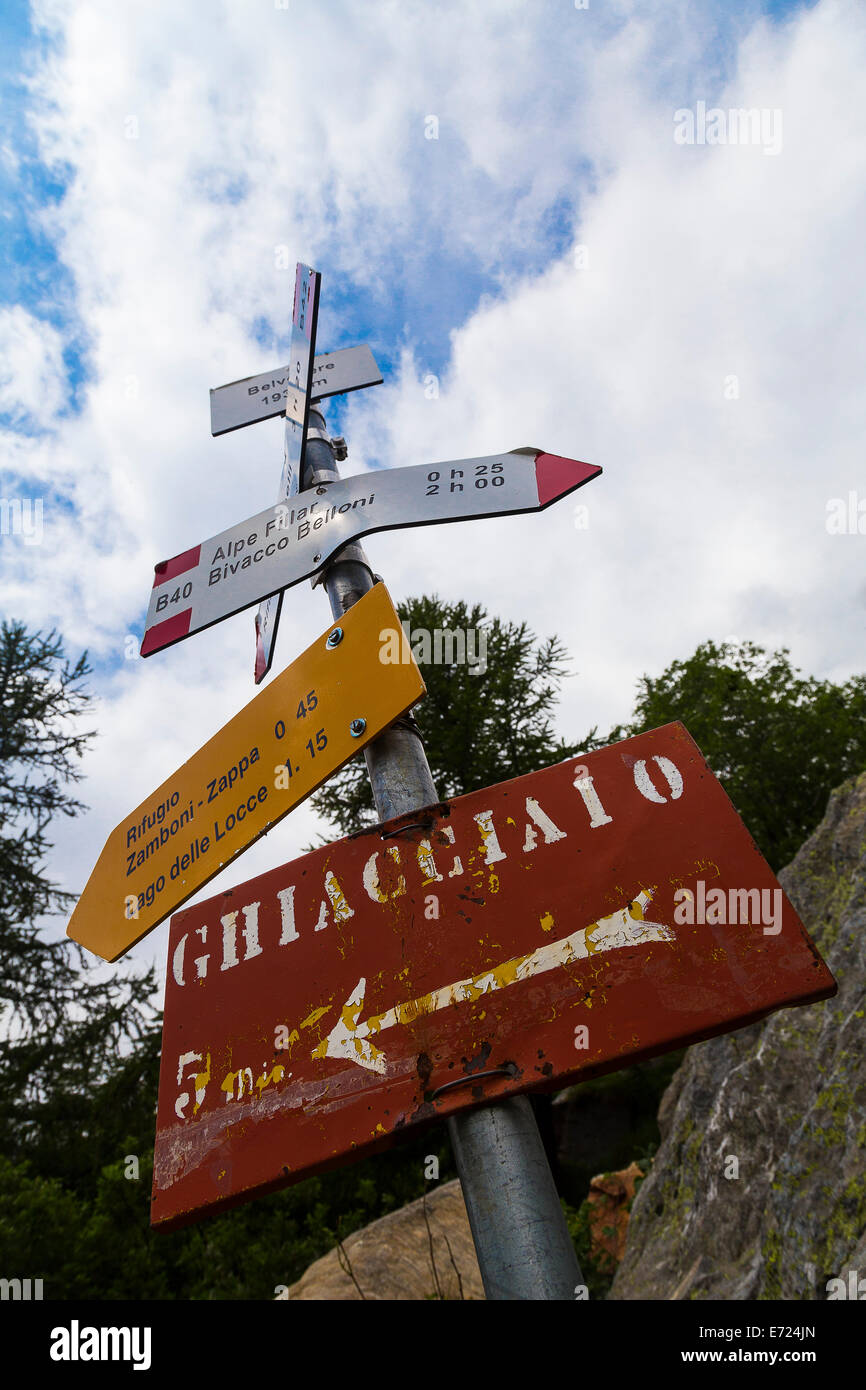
557,476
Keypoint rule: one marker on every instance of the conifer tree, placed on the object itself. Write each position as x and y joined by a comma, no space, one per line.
486,716
68,1033
779,742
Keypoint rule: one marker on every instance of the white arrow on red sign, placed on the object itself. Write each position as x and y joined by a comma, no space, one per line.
521,937
289,542
349,1039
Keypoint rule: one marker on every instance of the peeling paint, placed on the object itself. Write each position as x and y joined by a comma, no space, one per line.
316,1015
551,931
349,1038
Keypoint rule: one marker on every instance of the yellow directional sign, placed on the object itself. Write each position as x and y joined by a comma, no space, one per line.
340,693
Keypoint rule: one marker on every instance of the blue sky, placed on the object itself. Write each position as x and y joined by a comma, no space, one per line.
31,272
156,157
444,281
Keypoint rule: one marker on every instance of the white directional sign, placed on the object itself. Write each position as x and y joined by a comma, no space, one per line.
300,374
261,397
292,540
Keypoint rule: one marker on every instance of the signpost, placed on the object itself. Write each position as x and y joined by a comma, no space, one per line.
459,954
287,543
523,937
261,397
284,744
268,615
290,391
300,374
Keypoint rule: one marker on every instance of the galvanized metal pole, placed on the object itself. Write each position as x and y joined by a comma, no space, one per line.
518,1226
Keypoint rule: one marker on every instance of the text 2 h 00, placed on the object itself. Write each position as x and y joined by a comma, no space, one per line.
480,480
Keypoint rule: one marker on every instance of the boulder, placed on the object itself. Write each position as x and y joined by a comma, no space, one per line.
758,1189
423,1251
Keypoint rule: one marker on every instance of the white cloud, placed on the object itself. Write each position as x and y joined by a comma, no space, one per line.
305,128
32,375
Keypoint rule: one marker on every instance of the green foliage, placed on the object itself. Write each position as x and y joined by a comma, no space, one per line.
598,1266
79,1055
479,726
778,741
249,1251
65,1031
99,1244
40,696
597,1273
39,1228
79,1064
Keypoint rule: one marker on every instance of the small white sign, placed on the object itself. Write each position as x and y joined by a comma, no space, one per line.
261,397
292,540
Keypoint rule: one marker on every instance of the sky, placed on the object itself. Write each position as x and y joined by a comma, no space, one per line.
531,213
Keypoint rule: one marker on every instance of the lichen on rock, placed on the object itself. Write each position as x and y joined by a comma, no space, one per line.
785,1098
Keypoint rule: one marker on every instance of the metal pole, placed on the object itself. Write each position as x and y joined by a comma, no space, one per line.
518,1225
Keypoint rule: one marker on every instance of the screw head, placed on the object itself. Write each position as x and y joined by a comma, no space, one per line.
316,559
334,638
357,727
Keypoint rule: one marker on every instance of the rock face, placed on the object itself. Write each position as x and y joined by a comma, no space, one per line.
392,1258
759,1187
610,1195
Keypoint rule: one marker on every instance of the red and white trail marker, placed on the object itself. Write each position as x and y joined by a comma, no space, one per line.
291,541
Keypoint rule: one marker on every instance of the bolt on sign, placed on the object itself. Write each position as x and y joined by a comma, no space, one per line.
527,936
292,540
313,717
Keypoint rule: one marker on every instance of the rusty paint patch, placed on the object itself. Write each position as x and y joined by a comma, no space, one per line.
479,1062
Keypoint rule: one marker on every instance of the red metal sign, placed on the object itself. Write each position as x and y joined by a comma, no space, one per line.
523,937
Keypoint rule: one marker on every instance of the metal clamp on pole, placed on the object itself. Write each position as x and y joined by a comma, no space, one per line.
352,552
471,1078
518,1225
